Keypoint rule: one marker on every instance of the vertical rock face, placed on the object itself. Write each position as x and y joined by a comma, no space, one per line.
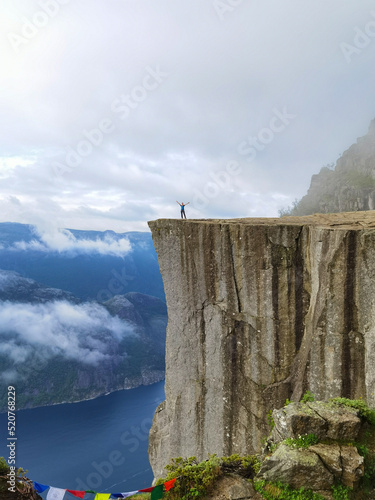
260,310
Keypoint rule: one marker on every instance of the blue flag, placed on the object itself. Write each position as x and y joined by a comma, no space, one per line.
40,487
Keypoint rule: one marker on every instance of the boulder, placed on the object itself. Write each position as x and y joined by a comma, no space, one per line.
325,420
342,422
232,487
344,462
297,467
297,419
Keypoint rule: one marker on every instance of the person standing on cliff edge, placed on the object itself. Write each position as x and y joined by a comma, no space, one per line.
183,205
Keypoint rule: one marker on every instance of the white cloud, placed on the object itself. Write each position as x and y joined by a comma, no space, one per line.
86,333
62,240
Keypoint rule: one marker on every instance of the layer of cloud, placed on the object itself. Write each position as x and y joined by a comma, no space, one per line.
62,240
86,333
219,76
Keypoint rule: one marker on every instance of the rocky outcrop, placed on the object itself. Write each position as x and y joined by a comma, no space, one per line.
233,487
320,466
350,186
260,310
23,490
323,420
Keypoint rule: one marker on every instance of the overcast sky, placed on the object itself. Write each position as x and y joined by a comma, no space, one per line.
111,110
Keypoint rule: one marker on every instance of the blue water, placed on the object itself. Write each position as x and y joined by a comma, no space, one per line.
98,445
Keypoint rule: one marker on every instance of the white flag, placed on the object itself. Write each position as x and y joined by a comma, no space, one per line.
55,493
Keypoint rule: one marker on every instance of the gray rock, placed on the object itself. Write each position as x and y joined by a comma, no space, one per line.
330,455
297,419
232,487
344,462
296,467
259,310
325,420
352,466
342,422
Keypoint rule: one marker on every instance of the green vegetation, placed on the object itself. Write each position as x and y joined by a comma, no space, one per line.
302,441
280,491
341,492
197,479
358,404
308,397
270,419
4,467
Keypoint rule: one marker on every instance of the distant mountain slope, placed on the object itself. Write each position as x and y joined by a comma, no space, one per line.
89,264
56,348
15,288
349,187
77,313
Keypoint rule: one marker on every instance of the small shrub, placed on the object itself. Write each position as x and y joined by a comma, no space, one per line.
341,492
4,467
197,479
302,441
270,419
246,466
308,397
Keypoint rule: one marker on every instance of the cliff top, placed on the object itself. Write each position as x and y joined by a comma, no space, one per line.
343,220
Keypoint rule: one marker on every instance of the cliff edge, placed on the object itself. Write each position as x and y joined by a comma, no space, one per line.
260,310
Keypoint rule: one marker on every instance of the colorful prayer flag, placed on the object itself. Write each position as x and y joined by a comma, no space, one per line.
55,493
147,490
157,492
102,496
40,487
79,494
169,484
124,495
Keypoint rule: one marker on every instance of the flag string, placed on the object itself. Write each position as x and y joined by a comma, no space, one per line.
59,493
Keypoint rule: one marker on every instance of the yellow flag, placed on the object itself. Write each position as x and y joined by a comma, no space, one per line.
102,496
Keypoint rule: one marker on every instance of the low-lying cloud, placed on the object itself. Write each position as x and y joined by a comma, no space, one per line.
63,241
86,333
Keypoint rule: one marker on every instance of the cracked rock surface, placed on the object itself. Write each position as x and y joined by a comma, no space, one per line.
260,310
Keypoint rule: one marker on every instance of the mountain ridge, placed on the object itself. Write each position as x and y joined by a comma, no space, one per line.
347,186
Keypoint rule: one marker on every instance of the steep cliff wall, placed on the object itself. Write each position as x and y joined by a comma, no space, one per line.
259,311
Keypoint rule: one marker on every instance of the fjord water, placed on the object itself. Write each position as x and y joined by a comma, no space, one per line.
100,444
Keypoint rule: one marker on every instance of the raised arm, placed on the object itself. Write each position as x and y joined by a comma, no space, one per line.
178,202
187,203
